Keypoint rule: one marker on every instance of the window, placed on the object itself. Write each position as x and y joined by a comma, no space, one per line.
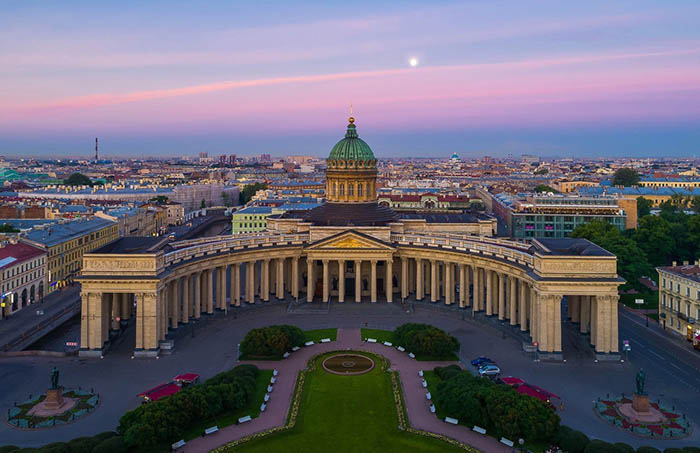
351,190
359,190
342,189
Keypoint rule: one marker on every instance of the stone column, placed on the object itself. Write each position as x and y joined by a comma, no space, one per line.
341,281
373,280
522,306
221,287
389,280
489,292
501,296
584,313
147,335
613,338
543,323
449,283
555,310
411,275
209,290
433,281
186,304
476,306
310,283
594,320
326,289
534,312
358,281
419,279
279,280
404,278
174,303
197,292
250,282
295,277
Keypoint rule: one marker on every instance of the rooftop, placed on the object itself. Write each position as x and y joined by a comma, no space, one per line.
689,271
13,254
567,247
56,234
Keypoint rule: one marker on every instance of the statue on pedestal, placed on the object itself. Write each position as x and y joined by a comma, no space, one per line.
641,377
54,378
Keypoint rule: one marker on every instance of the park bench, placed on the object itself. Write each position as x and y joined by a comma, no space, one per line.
401,348
263,406
285,355
420,373
451,420
428,396
178,444
267,397
269,389
479,430
295,348
505,441
275,372
325,340
309,343
386,343
424,384
371,340
211,430
247,418
411,355
273,380
432,408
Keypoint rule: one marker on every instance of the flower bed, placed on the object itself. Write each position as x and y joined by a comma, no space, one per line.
676,425
18,416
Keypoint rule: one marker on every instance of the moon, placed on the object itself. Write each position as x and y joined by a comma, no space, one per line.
413,62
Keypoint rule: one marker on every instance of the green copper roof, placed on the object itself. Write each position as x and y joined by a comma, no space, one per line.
351,147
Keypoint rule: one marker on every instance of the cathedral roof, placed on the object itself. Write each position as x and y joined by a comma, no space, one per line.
352,147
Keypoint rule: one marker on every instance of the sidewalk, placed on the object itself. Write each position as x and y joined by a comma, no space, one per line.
25,327
417,405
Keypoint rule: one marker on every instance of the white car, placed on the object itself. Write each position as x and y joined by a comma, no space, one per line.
489,370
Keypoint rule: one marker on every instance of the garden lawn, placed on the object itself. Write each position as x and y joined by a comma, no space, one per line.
318,334
350,414
380,335
252,409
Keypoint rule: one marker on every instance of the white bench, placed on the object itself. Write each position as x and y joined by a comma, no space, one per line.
505,441
325,340
273,380
451,420
211,430
284,356
269,389
401,348
432,408
247,418
411,355
424,384
420,373
479,430
371,340
178,444
267,397
386,343
295,348
309,343
428,396
275,372
263,406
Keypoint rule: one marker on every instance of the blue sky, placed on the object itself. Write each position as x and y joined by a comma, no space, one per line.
585,79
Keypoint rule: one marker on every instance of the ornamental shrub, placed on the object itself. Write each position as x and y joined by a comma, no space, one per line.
647,449
111,445
424,339
599,446
8,449
271,341
624,448
572,441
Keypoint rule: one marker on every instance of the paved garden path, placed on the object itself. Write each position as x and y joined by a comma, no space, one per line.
417,405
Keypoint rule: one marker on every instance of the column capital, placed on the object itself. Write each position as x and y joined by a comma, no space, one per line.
325,261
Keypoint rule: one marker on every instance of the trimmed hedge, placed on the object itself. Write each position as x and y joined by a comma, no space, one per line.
425,340
499,409
647,449
164,421
271,341
572,441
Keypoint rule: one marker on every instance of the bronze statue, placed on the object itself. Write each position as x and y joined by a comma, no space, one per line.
641,377
54,378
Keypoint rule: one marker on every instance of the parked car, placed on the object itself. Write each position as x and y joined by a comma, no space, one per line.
481,361
489,370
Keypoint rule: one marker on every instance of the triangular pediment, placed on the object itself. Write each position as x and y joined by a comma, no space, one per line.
350,240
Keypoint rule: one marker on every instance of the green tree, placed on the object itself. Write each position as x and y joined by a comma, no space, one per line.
653,236
203,204
7,228
249,191
643,207
541,171
77,179
625,177
695,204
160,199
544,188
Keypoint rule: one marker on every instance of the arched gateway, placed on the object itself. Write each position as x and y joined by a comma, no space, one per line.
329,252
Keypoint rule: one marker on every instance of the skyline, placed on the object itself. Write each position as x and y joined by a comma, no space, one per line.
178,78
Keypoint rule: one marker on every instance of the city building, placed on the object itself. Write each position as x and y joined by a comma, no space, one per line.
679,298
672,182
23,272
252,219
65,244
569,186
351,248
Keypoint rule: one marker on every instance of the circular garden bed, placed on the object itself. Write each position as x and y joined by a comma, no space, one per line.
348,364
672,426
84,403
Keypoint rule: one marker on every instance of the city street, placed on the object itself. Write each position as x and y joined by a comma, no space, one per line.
213,348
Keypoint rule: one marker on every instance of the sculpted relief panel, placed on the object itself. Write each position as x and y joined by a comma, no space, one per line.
118,265
576,266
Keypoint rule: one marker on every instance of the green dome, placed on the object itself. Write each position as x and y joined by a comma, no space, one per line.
352,147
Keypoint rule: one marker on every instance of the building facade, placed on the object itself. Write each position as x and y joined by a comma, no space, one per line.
22,277
679,298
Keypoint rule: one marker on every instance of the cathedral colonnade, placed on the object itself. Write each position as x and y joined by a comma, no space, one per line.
161,293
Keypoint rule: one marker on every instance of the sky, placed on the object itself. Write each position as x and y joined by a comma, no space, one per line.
172,78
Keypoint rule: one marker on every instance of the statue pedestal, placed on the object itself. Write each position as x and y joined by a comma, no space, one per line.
54,398
640,403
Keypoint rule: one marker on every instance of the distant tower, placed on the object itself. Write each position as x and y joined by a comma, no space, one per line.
96,155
